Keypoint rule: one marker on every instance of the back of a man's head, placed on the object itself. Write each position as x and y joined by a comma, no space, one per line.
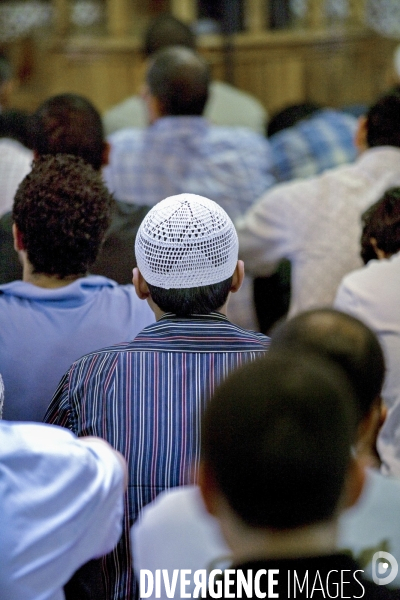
62,211
291,115
381,223
187,251
69,124
16,125
276,440
165,30
383,120
179,79
343,339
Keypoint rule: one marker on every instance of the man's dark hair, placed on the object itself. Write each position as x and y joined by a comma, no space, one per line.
382,222
191,301
343,339
15,124
276,438
179,79
69,124
62,211
291,115
165,30
383,121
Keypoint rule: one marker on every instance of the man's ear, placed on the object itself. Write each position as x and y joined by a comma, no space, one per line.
381,254
355,482
208,488
153,105
105,156
360,138
17,237
141,287
237,277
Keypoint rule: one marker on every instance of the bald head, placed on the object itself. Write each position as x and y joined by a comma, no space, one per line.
343,339
179,79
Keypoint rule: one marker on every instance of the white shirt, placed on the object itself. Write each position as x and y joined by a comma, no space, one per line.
15,163
315,224
61,505
372,294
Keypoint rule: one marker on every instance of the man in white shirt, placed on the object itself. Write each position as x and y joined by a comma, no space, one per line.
55,491
372,294
15,163
315,223
15,159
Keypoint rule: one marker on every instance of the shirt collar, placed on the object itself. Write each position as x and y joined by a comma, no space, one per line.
212,316
185,124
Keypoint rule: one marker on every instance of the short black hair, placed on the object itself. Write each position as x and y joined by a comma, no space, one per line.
165,30
289,116
62,210
276,438
16,124
69,124
179,79
382,222
383,120
343,339
191,301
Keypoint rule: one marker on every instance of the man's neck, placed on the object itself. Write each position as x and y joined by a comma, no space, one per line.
160,313
46,281
251,543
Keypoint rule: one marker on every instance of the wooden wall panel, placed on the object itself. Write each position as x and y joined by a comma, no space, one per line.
330,67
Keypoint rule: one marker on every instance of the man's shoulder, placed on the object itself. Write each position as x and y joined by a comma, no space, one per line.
23,444
10,148
181,336
126,138
131,112
201,339
309,189
375,273
236,136
80,289
103,297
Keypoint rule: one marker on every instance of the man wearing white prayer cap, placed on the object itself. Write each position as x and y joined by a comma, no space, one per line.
147,397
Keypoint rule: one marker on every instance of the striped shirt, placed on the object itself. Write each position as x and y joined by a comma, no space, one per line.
146,398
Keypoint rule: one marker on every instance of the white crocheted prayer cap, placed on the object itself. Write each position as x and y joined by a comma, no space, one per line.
186,241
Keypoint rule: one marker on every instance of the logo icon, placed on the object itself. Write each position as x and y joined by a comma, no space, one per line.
384,568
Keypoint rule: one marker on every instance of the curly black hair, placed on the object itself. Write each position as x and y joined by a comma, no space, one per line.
62,211
382,222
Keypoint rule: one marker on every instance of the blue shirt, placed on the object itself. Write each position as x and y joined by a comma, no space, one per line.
42,331
230,165
54,492
147,398
323,141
